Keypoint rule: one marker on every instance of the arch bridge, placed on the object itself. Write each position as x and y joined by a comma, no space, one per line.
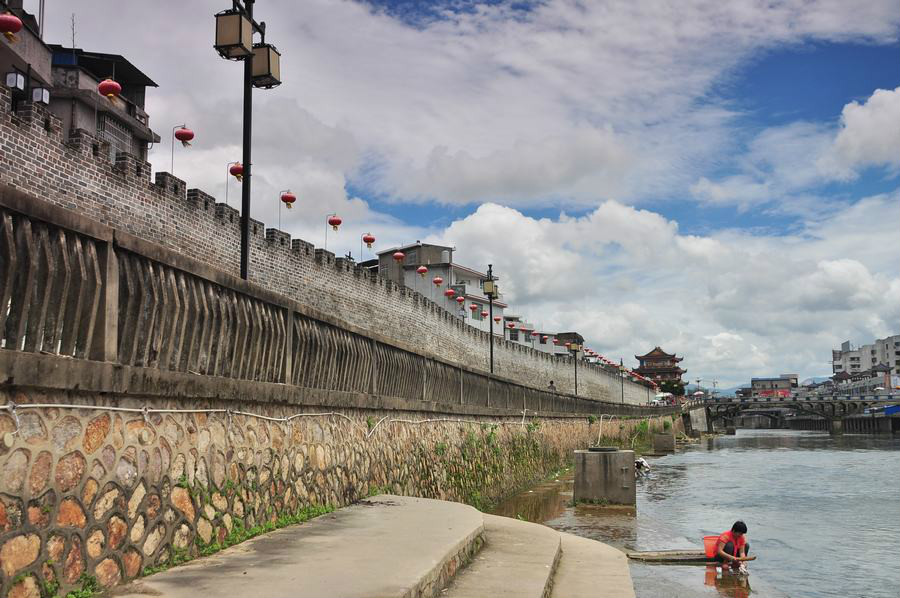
832,409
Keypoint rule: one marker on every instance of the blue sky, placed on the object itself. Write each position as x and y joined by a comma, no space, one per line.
718,178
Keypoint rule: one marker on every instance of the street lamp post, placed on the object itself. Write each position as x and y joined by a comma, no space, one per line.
490,289
234,41
622,376
574,348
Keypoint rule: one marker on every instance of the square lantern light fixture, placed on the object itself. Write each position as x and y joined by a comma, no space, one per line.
489,288
234,35
574,347
40,95
266,66
15,81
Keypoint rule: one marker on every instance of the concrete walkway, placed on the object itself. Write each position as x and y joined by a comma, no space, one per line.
384,546
393,546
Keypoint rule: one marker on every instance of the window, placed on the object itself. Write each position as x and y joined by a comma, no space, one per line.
513,335
476,315
543,340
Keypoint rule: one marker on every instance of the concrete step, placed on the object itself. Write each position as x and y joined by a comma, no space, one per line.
518,560
381,547
591,569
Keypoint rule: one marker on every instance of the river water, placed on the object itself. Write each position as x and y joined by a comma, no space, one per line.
823,515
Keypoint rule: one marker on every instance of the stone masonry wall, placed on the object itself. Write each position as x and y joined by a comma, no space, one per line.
38,157
110,493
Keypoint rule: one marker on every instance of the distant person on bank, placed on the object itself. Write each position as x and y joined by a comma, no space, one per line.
733,549
551,387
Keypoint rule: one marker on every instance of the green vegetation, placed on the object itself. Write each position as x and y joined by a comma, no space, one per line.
667,425
598,502
440,448
370,423
592,419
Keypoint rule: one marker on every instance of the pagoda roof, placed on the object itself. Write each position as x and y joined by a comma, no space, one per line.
881,367
841,376
658,353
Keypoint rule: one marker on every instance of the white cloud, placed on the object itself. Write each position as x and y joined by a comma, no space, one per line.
735,304
870,133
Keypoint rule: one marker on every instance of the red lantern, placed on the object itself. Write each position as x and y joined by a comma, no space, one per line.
534,333
237,170
497,319
522,327
555,341
335,222
288,199
484,314
399,256
422,271
184,135
438,281
568,345
109,88
368,239
10,24
460,300
510,325
473,307
543,338
449,293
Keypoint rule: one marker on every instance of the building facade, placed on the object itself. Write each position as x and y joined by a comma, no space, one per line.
884,351
781,387
465,282
659,366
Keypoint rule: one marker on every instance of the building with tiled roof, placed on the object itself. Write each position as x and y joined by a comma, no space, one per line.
659,366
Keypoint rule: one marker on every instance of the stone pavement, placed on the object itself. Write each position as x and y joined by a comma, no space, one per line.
405,547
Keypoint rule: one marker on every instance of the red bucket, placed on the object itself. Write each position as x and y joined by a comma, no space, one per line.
709,545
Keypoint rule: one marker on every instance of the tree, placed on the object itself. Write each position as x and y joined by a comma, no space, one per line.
676,387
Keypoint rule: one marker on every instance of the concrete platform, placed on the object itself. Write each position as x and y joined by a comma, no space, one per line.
381,547
591,569
518,560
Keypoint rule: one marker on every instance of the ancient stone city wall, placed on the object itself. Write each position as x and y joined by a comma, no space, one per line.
109,493
75,173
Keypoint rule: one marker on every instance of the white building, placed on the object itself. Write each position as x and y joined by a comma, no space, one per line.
854,361
441,275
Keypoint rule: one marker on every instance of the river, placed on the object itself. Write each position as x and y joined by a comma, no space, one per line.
823,515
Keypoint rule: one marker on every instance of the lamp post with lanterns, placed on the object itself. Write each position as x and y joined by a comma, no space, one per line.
490,291
235,29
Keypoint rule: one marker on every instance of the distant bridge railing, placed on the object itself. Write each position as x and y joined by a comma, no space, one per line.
74,288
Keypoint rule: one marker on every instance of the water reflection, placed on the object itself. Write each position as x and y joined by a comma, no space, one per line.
727,584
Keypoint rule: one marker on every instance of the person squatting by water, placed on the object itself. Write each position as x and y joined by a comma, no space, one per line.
732,548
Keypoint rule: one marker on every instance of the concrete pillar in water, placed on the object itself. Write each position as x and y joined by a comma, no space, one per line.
664,443
605,476
836,426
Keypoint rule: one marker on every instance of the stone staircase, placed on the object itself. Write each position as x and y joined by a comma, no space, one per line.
404,547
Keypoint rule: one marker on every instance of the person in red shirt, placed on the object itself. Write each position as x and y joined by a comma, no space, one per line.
732,546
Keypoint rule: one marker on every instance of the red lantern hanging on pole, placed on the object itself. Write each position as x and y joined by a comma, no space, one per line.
510,325
449,293
288,199
368,239
109,88
399,256
484,314
422,271
184,135
10,25
460,300
555,341
438,281
498,318
334,222
237,170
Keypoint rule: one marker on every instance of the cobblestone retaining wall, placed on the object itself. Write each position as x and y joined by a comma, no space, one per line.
108,494
75,172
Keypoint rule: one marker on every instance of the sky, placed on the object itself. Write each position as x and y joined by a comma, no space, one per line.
721,179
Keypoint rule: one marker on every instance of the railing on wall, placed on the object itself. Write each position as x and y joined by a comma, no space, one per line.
72,287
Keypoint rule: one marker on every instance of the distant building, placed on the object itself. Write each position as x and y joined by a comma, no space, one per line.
781,386
884,351
465,282
659,366
71,76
